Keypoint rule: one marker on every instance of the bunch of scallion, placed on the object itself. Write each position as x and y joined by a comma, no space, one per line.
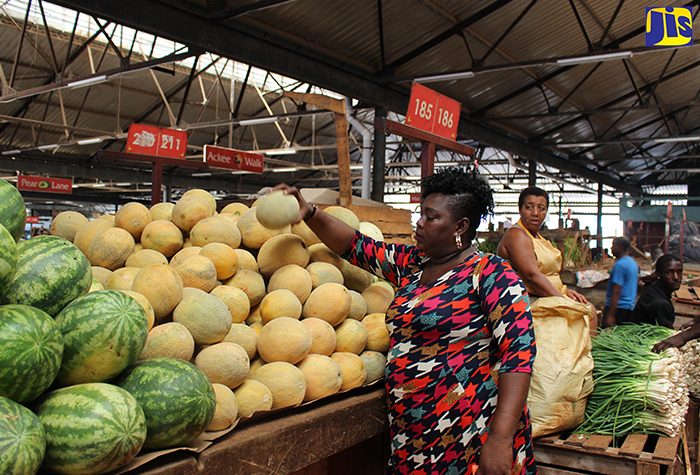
636,390
691,354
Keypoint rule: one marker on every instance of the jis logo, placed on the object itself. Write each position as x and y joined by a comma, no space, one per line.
669,26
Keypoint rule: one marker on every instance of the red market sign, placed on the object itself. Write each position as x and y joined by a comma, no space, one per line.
44,184
154,141
433,112
414,198
230,159
32,220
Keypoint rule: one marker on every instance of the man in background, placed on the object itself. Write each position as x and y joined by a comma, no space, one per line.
654,305
622,285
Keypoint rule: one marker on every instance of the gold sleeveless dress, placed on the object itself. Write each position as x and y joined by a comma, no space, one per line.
548,260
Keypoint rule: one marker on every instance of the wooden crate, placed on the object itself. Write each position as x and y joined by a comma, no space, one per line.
395,224
637,455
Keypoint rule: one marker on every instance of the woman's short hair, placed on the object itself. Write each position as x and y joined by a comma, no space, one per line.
663,262
532,191
470,195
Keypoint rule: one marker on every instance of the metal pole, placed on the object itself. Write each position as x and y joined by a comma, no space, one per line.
379,158
599,217
531,173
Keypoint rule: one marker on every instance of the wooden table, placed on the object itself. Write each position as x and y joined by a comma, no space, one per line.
343,434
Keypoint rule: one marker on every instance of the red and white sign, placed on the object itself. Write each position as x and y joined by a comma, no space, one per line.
219,157
414,197
32,219
44,184
433,112
154,141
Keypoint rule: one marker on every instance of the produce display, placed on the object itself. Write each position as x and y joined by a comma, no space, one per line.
691,352
636,390
137,332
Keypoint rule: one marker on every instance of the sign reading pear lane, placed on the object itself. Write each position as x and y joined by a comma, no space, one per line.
45,184
230,159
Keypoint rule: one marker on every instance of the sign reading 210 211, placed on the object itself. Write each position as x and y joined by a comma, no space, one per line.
669,26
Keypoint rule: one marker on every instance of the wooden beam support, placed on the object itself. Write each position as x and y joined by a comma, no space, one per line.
318,100
341,140
419,135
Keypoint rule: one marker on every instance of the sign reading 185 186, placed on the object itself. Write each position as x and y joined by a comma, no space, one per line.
433,112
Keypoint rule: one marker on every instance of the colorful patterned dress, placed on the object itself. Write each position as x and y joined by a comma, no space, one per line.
449,341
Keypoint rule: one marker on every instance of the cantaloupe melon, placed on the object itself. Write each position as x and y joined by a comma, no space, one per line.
285,381
330,302
188,211
224,258
254,234
279,303
161,285
256,363
203,195
162,236
322,376
226,411
251,283
205,316
277,209
107,217
138,247
224,363
252,396
235,299
246,260
168,340
323,336
323,273
302,230
133,217
145,304
67,223
293,278
101,275
371,230
198,272
162,211
215,229
284,339
345,215
358,309
355,278
184,253
282,250
351,337
122,279
88,232
375,363
236,209
111,248
186,243
241,334
321,253
352,368
378,297
254,318
95,286
146,257
377,332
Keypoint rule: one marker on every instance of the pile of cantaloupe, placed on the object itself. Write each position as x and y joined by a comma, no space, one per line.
271,315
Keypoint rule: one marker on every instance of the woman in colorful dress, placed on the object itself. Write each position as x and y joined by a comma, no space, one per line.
462,344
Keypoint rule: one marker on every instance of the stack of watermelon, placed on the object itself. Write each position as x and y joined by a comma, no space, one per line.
60,346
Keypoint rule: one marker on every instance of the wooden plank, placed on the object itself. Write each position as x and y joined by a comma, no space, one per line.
576,440
633,445
547,439
666,449
381,213
544,470
395,228
684,293
648,468
598,442
573,458
343,158
696,290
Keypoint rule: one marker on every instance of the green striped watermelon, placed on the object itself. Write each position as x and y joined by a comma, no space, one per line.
13,212
91,428
31,347
8,256
51,273
22,439
176,397
104,333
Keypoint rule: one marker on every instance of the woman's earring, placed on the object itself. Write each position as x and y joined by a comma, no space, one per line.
458,241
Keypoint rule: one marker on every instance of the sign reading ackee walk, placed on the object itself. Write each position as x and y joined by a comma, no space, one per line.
219,157
44,184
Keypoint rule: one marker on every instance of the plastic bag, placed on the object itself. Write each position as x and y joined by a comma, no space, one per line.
562,376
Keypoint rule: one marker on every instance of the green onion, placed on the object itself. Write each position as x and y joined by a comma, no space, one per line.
635,389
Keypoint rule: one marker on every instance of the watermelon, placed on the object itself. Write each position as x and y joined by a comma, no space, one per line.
90,428
22,439
175,395
51,272
104,333
31,347
13,212
8,256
